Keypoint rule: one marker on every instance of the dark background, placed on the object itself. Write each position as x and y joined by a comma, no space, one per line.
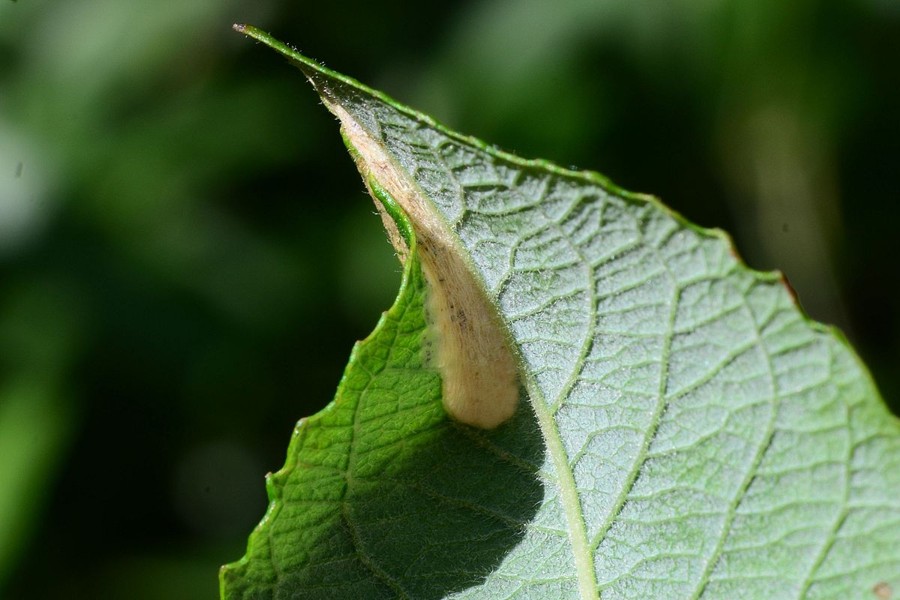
187,254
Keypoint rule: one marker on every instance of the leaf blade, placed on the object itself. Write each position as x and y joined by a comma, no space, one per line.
680,395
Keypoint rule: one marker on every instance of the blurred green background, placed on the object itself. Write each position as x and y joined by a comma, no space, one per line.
187,253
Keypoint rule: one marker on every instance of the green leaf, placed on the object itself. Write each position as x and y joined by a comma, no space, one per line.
684,430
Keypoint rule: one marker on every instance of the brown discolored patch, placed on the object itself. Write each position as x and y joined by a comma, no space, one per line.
883,591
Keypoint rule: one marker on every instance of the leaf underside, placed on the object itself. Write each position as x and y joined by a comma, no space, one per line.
685,431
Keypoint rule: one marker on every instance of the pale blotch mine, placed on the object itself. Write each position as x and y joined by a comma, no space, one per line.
478,371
